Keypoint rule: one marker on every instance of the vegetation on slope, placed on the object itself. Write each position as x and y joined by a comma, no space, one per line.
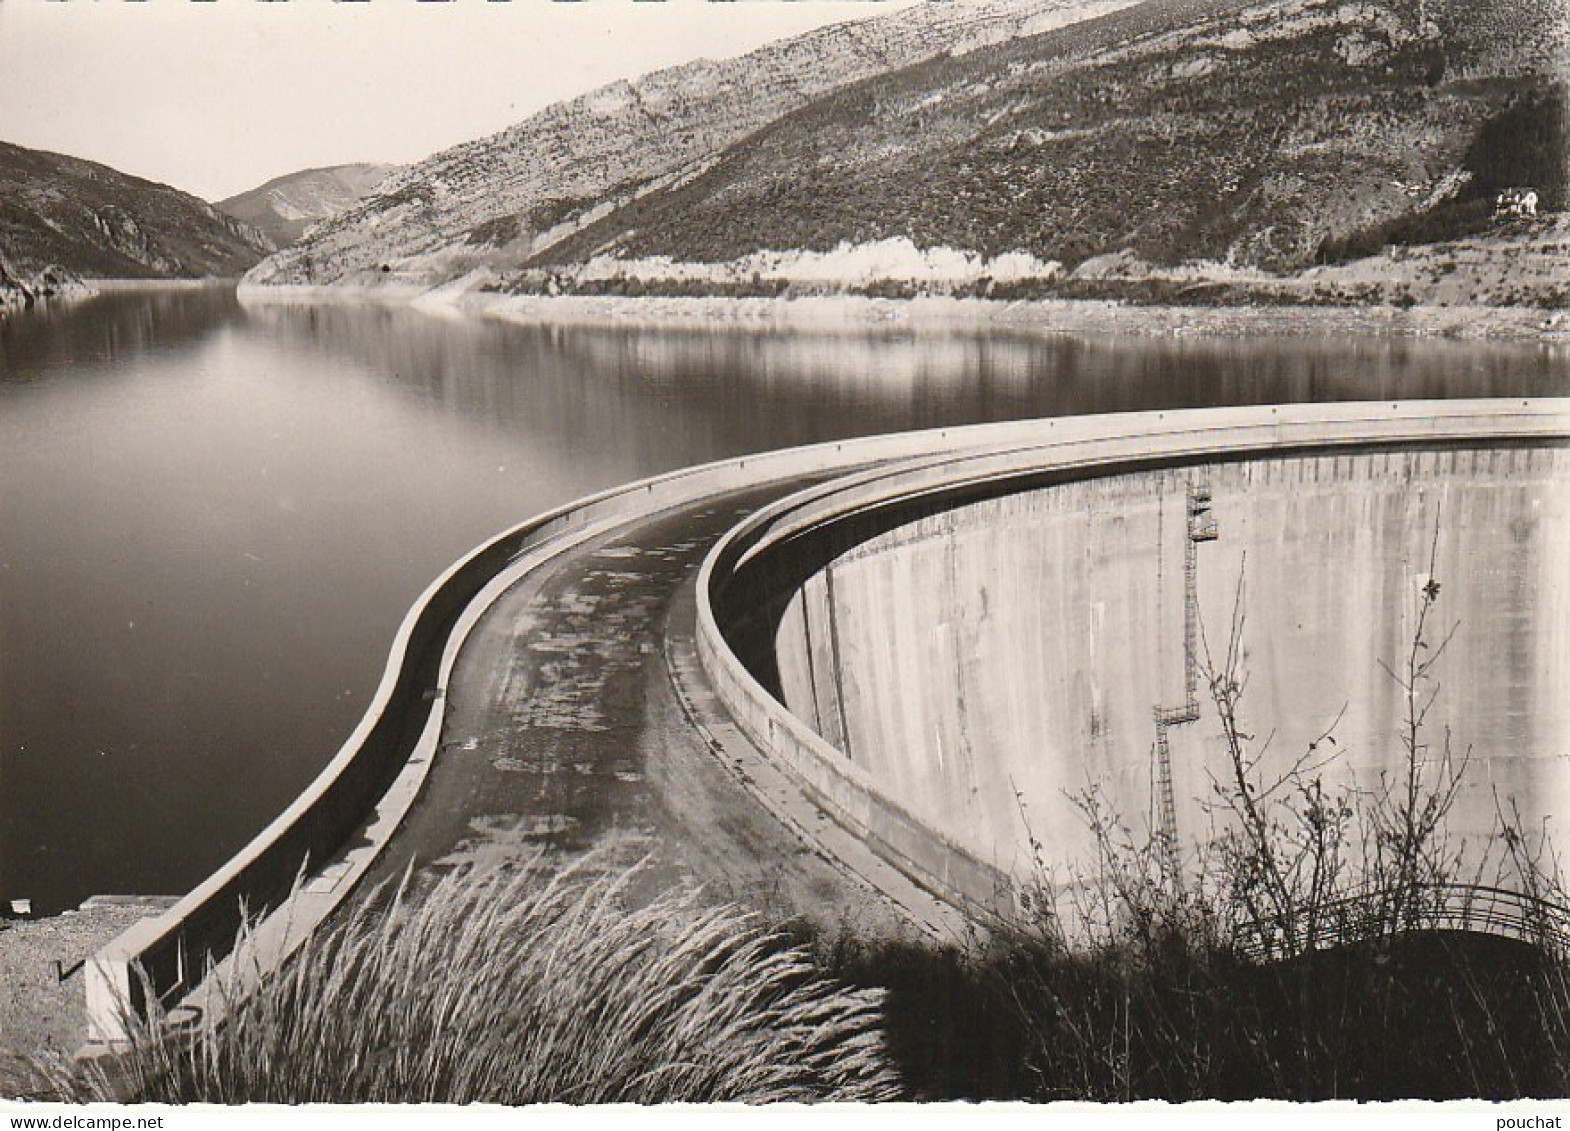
1238,135
1264,133
62,218
1172,1015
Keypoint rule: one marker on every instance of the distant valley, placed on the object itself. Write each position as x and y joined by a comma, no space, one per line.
285,207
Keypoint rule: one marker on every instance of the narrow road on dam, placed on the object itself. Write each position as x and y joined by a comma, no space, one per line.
578,721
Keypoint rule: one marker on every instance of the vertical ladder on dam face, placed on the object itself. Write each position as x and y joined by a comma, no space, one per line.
1166,803
1201,527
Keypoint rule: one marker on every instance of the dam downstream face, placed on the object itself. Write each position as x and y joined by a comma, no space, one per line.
992,664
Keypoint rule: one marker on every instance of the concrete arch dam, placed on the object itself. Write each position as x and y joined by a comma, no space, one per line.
956,657
934,638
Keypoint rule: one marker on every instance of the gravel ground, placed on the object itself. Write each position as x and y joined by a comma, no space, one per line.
41,1015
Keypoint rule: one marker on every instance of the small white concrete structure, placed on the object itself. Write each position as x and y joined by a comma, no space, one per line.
1517,203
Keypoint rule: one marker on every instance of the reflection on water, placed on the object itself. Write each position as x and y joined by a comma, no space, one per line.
816,386
212,518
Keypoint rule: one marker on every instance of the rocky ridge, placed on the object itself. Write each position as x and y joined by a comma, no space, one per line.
502,199
1252,134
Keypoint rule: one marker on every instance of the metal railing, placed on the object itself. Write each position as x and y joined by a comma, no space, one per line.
1367,915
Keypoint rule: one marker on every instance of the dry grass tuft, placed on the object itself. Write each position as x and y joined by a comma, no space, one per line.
530,986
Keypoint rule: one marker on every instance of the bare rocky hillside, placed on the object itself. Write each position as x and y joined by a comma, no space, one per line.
284,207
1264,134
64,219
504,198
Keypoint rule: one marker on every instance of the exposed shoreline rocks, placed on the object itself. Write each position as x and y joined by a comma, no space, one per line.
857,314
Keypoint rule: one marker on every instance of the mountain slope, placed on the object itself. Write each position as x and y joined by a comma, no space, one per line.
284,207
63,218
1270,133
502,198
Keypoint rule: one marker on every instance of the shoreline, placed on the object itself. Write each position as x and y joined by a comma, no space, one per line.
113,286
14,302
854,314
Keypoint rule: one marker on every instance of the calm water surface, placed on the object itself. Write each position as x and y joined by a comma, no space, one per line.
213,518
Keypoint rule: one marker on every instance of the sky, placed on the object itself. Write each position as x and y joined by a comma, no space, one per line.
218,97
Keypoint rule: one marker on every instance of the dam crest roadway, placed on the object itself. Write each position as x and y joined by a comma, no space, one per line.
858,681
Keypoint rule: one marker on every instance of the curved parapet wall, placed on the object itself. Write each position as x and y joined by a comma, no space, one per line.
950,653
